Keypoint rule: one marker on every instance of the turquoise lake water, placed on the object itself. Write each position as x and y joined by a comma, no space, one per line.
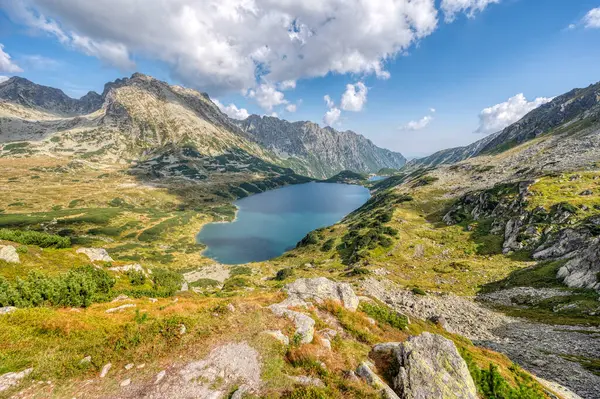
270,223
377,178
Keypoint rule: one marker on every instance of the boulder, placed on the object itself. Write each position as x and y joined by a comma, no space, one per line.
7,310
96,254
364,371
279,336
430,367
9,380
321,289
305,325
105,369
120,308
127,268
583,270
9,254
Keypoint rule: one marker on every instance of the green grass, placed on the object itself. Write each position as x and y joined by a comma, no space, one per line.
384,314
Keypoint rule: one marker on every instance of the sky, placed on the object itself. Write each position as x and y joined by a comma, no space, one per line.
414,76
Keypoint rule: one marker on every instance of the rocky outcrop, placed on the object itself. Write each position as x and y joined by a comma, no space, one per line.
583,271
96,254
427,366
321,289
9,380
365,371
9,254
316,151
305,325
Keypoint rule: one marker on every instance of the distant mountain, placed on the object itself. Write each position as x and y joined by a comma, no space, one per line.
571,111
316,151
142,117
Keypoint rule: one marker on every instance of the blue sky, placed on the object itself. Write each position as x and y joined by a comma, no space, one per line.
417,86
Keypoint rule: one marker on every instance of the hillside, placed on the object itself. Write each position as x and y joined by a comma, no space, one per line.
321,152
572,111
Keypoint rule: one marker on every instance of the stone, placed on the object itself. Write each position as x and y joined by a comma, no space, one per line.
125,383
105,370
439,320
127,268
279,336
182,329
9,254
231,308
364,371
321,289
86,360
153,300
160,376
141,366
583,271
240,392
586,193
307,381
95,254
7,309
328,333
305,325
184,286
431,367
326,343
129,366
120,308
120,298
9,380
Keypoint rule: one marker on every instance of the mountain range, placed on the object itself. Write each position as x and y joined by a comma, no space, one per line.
141,117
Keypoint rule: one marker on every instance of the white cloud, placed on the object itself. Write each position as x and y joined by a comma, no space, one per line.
36,61
328,101
232,110
267,96
291,108
332,116
6,63
469,7
287,85
432,110
592,18
501,115
273,114
224,45
418,125
355,97
3,79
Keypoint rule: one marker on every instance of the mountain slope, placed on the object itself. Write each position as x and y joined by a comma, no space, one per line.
576,109
321,152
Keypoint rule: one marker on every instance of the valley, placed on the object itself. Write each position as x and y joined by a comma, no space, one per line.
494,250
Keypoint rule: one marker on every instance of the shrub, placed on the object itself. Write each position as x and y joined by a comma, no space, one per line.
385,315
240,271
205,283
310,239
136,277
284,274
166,280
328,245
77,288
22,249
43,240
418,291
236,283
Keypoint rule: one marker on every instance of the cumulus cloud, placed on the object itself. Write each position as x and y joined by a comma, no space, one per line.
291,108
592,18
419,124
332,116
267,96
232,110
3,79
287,85
355,97
469,7
501,115
6,63
224,45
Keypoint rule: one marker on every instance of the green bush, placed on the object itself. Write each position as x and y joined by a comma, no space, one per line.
205,283
22,249
385,315
136,277
418,291
241,271
167,280
328,245
43,240
77,288
284,274
311,238
236,283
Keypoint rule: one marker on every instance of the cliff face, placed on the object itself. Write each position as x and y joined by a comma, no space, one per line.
319,152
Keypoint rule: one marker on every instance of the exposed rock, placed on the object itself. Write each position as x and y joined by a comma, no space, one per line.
9,254
583,271
95,254
308,381
364,371
279,336
231,308
105,370
153,300
159,377
320,289
182,329
565,393
120,308
125,383
526,296
564,244
240,392
431,367
9,380
7,309
305,325
127,268
86,360
120,298
439,320
129,366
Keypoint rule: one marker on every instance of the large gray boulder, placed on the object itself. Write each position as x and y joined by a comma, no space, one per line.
96,254
9,254
321,289
428,367
583,270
